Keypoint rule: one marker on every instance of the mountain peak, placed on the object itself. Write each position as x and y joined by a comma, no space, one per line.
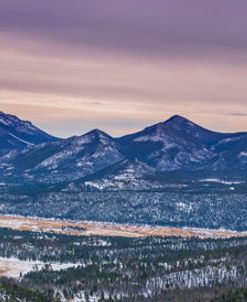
192,130
178,120
93,136
98,133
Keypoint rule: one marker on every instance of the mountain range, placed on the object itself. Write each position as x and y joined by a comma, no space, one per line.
96,160
173,173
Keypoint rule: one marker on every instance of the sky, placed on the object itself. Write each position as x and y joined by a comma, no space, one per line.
71,66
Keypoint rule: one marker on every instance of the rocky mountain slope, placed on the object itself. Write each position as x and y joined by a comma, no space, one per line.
16,134
66,159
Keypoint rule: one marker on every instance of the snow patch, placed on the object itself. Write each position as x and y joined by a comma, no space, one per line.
220,181
14,267
20,139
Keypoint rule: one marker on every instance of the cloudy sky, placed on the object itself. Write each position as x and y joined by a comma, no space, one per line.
70,66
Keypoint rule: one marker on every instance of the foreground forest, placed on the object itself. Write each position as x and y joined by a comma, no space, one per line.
125,269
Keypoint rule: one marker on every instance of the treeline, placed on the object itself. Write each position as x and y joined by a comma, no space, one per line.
201,209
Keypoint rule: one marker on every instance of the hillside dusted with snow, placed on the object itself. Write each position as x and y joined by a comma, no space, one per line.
172,173
16,134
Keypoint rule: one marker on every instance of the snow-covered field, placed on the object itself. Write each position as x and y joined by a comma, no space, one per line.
14,268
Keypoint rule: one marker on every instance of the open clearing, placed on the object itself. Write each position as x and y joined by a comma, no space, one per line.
83,228
13,267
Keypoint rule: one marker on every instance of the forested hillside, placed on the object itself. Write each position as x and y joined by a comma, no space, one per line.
124,269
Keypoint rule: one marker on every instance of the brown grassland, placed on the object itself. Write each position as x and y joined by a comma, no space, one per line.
85,228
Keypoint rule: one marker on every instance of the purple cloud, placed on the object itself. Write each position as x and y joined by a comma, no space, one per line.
160,27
